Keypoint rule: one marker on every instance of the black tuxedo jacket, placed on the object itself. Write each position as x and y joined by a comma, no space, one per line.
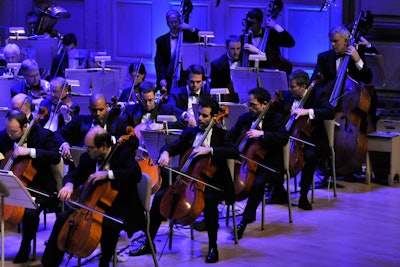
221,78
127,174
223,148
58,65
326,65
179,98
163,56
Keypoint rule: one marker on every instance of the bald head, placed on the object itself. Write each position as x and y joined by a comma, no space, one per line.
98,143
21,102
98,107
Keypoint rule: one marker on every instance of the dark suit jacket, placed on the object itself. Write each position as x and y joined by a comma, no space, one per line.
74,132
223,148
179,98
275,135
221,78
46,154
49,105
58,65
162,60
127,174
326,65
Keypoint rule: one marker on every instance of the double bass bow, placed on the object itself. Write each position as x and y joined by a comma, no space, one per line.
24,170
81,233
184,200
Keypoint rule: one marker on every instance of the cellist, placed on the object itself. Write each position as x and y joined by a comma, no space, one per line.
220,148
40,148
316,109
273,136
123,172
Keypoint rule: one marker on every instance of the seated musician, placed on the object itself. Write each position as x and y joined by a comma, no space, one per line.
123,173
166,48
221,68
317,109
273,136
277,37
73,133
23,103
182,98
145,113
61,61
128,95
32,85
12,54
59,105
41,149
219,148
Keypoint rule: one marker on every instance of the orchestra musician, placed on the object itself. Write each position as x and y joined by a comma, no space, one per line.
273,136
32,85
221,68
329,61
220,148
278,37
23,103
133,96
124,173
317,109
166,46
12,54
32,22
41,149
59,104
182,98
73,133
61,61
148,109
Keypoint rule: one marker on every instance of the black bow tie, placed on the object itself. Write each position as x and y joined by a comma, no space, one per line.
174,36
194,94
339,56
147,111
97,123
260,35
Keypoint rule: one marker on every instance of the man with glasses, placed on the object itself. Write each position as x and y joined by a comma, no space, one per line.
273,136
166,47
183,98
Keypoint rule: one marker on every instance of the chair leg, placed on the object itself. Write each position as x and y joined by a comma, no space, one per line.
287,178
312,189
234,223
227,215
34,248
153,251
333,171
263,213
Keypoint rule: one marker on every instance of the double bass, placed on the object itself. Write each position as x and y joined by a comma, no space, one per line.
184,200
23,169
81,233
351,101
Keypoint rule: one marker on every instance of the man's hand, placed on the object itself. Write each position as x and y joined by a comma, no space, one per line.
352,51
300,112
164,159
65,151
66,192
201,150
98,176
21,151
254,133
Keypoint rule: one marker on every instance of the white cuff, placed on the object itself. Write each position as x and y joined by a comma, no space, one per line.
279,28
33,153
110,175
360,64
311,114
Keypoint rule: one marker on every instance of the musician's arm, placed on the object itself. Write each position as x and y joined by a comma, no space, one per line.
275,133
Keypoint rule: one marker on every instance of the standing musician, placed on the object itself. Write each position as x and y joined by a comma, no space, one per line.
221,68
166,47
133,96
220,148
277,37
123,173
59,104
62,61
328,62
148,109
41,149
317,109
273,136
182,98
32,85
73,133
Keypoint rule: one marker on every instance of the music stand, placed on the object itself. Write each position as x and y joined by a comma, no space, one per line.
14,193
245,79
377,66
3,113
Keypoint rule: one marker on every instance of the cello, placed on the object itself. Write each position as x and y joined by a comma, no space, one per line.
24,170
351,102
81,233
184,200
251,153
298,130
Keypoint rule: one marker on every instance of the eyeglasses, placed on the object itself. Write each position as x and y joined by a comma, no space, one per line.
253,105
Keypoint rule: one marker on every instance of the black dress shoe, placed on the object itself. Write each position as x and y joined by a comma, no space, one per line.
304,204
142,250
212,256
23,254
240,230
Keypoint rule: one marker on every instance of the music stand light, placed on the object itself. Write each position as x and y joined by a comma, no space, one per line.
102,60
165,119
257,58
16,31
206,35
219,92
